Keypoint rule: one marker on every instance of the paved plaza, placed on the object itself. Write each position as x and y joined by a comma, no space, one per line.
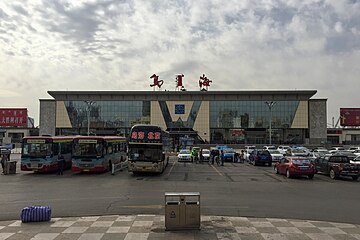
138,227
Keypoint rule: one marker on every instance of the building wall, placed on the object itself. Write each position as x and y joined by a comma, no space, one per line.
317,121
47,117
62,116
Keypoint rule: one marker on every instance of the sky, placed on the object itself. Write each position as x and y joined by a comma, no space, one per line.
238,44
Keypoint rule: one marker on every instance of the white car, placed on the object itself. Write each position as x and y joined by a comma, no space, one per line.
336,149
269,148
206,154
276,155
184,155
248,150
357,152
353,149
356,160
282,149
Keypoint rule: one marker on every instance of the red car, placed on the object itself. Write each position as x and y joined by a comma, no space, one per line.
295,166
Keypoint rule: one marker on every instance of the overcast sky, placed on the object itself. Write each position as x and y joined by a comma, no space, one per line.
239,44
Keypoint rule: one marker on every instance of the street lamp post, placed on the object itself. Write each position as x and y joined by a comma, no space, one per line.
270,104
88,108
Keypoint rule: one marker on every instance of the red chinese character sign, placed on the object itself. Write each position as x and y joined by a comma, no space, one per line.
145,136
179,82
13,117
204,83
157,83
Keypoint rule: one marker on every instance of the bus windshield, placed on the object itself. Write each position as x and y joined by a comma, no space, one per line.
145,152
88,150
36,149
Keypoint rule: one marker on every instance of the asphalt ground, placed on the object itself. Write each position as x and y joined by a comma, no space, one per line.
236,189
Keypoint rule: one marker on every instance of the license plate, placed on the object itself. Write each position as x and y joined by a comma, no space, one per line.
34,165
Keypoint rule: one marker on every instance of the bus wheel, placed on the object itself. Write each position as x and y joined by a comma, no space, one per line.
110,167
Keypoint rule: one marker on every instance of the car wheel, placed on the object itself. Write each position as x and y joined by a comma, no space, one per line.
276,170
355,178
311,176
332,174
288,173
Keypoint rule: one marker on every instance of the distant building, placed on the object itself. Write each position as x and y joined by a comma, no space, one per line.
202,116
15,124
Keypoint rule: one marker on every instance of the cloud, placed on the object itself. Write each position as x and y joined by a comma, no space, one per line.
111,44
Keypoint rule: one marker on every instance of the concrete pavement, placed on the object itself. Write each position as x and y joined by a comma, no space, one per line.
138,227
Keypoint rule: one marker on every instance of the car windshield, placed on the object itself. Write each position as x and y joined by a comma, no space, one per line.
301,161
184,152
205,151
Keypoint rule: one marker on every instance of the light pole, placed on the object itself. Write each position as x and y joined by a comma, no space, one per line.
88,108
270,104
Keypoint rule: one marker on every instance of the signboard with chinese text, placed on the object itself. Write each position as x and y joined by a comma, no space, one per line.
13,117
350,117
145,134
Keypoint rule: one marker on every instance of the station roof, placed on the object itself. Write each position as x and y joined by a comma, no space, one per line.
243,95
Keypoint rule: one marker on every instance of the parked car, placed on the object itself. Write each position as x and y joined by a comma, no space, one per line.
350,155
276,155
299,152
269,148
295,166
248,150
260,156
229,154
336,166
357,152
320,151
206,154
356,160
353,149
335,149
282,149
184,155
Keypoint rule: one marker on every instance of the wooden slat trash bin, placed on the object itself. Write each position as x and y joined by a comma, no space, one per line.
182,210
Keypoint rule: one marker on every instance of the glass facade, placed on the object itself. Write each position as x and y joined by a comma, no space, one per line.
105,115
251,114
230,121
248,122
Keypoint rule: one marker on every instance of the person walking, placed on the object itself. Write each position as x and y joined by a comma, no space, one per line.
222,156
61,164
242,156
3,162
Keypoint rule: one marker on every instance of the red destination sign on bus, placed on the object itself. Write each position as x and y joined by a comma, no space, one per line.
350,117
13,117
146,135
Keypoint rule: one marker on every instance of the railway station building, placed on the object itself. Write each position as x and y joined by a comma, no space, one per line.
214,117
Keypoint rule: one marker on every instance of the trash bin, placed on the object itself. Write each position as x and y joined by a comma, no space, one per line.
182,210
10,167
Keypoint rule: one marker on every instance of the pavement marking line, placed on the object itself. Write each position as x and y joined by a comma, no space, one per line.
217,170
171,169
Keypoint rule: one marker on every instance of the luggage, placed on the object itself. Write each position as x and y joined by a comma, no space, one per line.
35,214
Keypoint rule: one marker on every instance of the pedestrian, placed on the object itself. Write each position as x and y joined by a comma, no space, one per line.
222,157
61,164
242,156
201,155
3,162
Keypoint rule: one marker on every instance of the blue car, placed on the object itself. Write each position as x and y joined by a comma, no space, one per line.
260,157
229,154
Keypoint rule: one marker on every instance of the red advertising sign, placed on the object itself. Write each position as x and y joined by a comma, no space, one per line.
13,117
350,116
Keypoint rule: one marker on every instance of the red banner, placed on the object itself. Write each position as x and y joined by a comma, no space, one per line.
350,116
13,117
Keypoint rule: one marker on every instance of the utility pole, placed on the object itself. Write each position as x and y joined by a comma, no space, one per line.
88,109
270,104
